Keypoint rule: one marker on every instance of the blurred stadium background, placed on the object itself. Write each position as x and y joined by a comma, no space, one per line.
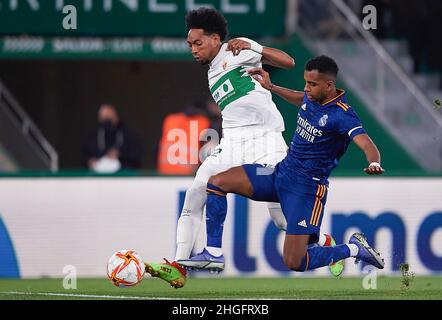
55,212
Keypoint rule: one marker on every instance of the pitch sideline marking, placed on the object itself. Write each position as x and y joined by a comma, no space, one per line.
77,295
85,295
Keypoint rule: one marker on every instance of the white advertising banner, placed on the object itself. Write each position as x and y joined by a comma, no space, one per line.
49,223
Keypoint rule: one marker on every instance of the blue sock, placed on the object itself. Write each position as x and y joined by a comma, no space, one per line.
318,256
216,211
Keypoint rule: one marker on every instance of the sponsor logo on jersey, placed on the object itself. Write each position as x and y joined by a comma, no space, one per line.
232,86
224,89
306,130
304,107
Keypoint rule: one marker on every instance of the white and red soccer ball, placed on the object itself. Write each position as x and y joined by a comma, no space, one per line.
125,268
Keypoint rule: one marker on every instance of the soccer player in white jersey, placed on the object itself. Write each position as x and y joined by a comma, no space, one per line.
252,133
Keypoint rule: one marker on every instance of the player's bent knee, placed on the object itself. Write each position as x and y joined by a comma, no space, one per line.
294,263
215,180
220,181
233,180
295,266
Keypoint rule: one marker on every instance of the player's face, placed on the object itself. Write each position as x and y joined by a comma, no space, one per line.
317,86
204,47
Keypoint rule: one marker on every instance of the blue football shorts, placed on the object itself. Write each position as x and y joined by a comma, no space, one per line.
302,202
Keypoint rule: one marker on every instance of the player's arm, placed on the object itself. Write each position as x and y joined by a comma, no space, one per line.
372,154
277,58
263,77
271,56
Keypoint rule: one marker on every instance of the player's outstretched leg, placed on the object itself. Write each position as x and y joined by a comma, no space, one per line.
169,272
317,256
190,218
233,180
216,211
325,240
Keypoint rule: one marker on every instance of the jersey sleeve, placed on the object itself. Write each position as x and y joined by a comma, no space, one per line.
249,56
350,124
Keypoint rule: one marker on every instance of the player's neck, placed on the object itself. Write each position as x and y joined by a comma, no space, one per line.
216,53
333,94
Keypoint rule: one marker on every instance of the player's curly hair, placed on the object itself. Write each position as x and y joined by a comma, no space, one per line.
323,64
208,19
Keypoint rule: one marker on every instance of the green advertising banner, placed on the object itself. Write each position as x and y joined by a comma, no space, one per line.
94,48
147,18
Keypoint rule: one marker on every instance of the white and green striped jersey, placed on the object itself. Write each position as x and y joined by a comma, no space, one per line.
243,101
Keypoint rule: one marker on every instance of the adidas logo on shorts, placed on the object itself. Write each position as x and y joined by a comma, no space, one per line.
302,224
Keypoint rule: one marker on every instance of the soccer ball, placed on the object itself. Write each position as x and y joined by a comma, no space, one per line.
125,268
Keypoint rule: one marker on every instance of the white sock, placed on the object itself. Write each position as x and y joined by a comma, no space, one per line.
184,232
190,220
214,251
354,249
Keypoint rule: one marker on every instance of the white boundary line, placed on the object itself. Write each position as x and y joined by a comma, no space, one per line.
77,295
87,295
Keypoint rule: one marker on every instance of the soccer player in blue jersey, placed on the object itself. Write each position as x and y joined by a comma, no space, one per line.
326,125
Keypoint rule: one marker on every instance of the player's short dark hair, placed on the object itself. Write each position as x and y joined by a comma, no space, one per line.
208,19
323,64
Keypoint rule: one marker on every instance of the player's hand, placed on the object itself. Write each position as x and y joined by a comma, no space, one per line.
374,169
237,45
262,76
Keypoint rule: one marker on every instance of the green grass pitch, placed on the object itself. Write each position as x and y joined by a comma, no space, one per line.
218,287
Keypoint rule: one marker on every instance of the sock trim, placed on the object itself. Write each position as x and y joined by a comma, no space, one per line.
215,192
214,189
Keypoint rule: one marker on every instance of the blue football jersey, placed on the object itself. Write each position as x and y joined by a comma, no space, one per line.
322,136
